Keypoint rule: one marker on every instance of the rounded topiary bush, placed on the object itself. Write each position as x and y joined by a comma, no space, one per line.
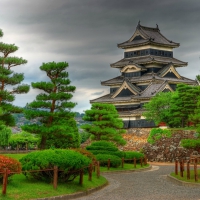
130,155
115,161
104,147
11,164
68,161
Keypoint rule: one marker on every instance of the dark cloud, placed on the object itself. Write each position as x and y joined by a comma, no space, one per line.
86,33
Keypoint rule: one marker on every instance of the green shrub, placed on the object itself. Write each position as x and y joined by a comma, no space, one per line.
67,160
84,136
115,161
104,147
10,163
158,133
102,144
114,153
190,143
132,154
86,153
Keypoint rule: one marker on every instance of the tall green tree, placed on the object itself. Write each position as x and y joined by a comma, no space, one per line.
198,77
158,108
10,82
195,117
106,124
183,104
57,127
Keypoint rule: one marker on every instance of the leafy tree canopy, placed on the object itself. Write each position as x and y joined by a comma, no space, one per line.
22,138
158,108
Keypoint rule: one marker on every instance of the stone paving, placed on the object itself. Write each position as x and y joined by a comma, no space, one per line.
147,185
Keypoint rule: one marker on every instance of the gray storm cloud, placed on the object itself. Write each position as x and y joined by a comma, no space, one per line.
86,33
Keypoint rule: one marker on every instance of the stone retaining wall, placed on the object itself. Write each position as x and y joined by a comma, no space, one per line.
136,138
169,149
164,150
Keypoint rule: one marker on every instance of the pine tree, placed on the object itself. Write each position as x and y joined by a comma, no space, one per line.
57,126
10,82
106,124
183,104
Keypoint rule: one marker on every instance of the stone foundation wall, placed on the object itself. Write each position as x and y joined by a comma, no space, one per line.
169,149
164,150
136,138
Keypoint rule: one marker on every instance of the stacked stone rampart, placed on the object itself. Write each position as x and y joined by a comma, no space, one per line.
164,150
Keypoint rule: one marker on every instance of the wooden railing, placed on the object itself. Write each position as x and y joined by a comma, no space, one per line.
180,167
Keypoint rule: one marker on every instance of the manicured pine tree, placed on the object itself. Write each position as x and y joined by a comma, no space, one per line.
10,82
57,126
106,124
183,104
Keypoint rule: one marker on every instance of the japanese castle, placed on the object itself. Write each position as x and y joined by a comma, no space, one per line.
148,67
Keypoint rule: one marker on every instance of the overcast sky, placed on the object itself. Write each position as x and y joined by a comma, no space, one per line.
85,33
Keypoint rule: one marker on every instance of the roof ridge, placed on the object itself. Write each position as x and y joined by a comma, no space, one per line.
147,87
150,28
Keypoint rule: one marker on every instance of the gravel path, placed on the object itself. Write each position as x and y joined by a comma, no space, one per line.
148,185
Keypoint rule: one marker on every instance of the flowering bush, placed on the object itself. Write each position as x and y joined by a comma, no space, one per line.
11,164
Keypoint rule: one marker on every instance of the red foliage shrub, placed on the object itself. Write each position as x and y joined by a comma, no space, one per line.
11,164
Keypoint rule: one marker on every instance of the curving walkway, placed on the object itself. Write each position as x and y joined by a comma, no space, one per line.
148,185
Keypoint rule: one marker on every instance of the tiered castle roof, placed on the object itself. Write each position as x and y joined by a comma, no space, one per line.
148,67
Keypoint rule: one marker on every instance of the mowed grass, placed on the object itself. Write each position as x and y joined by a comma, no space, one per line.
16,156
127,166
184,178
21,188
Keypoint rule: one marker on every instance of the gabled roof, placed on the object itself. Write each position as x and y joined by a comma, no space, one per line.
147,35
153,89
127,85
107,99
168,68
141,60
133,66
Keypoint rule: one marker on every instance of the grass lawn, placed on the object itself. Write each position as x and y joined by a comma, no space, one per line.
21,188
127,166
15,156
184,178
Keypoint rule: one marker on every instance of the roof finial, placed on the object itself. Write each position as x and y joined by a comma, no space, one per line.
157,27
139,23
